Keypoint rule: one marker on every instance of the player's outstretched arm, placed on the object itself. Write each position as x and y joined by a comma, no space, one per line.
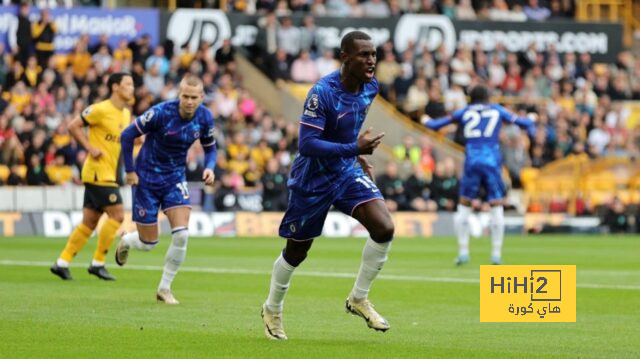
436,124
75,129
528,123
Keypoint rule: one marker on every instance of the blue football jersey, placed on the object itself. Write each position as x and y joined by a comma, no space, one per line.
339,115
162,159
481,125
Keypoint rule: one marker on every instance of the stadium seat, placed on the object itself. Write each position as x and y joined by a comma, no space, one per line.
22,171
4,173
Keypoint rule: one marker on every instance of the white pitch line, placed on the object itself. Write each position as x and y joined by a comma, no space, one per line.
406,278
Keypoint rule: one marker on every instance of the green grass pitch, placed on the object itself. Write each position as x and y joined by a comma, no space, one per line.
432,306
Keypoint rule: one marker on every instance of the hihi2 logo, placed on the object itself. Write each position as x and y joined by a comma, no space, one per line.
528,293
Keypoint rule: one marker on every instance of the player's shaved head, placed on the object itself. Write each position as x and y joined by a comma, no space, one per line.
348,41
191,80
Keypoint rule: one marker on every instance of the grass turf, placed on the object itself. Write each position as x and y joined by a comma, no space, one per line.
433,307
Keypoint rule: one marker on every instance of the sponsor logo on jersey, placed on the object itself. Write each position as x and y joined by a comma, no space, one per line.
112,138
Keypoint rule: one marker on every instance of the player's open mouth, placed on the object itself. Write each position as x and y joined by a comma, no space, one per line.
370,71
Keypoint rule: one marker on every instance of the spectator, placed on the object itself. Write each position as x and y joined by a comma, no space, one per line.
262,154
435,107
268,37
289,37
444,185
279,68
23,36
274,184
159,61
58,172
318,8
80,61
429,7
15,179
252,176
308,35
32,71
392,187
123,52
616,219
376,8
338,8
387,71
44,32
417,99
500,12
102,59
355,9
327,63
153,80
535,12
304,69
4,66
225,54
418,193
464,11
225,198
194,167
36,175
407,152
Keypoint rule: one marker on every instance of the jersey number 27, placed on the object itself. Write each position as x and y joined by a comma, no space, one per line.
472,121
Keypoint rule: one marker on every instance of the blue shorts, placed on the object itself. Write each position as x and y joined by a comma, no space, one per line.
146,201
489,176
305,215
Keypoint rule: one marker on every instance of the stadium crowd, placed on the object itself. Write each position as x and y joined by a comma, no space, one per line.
495,10
579,101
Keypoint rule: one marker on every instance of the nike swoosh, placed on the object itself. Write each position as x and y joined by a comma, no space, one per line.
341,115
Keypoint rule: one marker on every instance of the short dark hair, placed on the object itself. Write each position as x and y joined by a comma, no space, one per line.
348,41
116,78
479,94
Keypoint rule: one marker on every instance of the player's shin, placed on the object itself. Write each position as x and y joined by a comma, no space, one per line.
497,233
77,240
106,235
175,256
461,221
374,255
280,280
